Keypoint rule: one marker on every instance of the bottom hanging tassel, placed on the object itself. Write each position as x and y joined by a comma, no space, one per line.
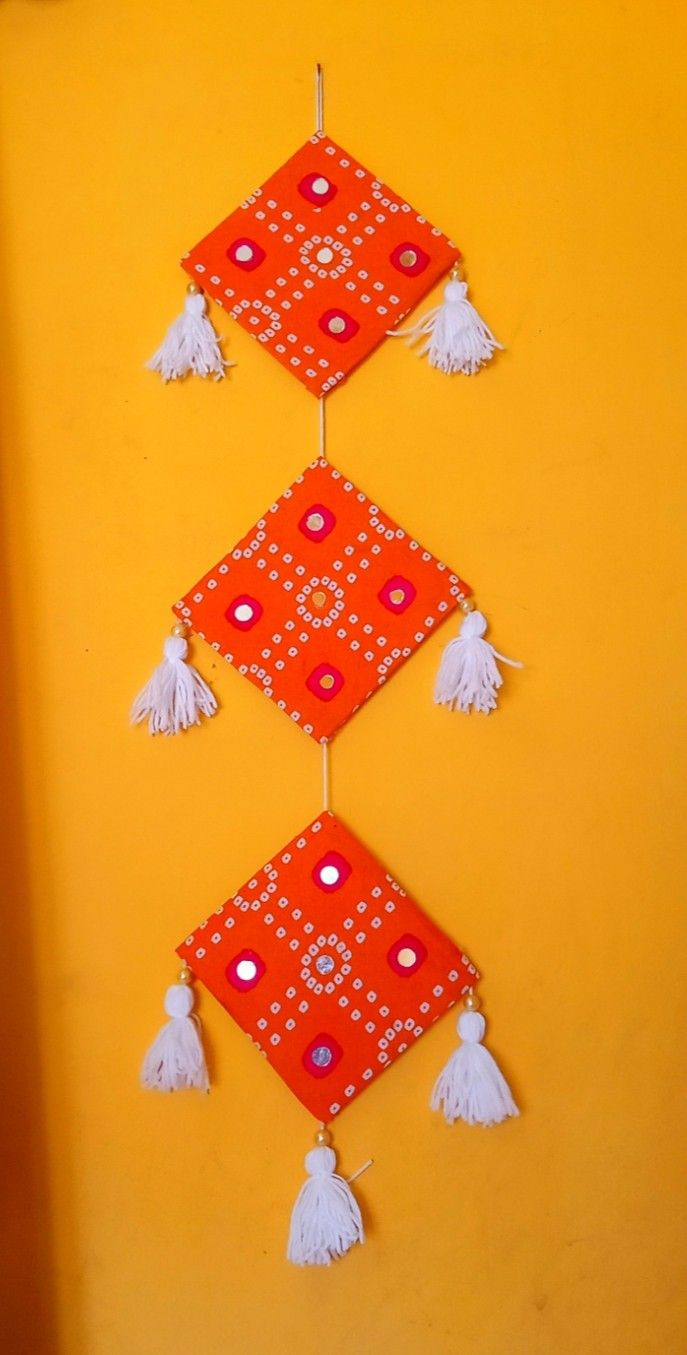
326,1219
453,335
472,1087
175,696
190,344
468,674
176,1059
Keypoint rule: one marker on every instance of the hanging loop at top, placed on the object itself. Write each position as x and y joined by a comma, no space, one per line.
319,98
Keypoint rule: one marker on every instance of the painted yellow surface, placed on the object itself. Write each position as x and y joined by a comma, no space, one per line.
548,139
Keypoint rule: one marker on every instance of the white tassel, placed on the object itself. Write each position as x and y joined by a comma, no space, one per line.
453,335
175,1059
326,1220
468,674
175,696
472,1087
190,344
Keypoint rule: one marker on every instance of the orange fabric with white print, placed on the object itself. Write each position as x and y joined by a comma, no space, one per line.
320,262
329,966
322,600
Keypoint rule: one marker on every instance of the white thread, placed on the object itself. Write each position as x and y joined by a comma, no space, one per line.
323,430
326,1218
175,696
468,673
325,776
319,98
472,1087
370,1163
453,335
190,345
175,1058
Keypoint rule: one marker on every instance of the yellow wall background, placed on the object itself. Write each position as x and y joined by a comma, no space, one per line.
547,138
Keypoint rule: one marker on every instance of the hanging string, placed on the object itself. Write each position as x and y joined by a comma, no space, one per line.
319,98
370,1163
325,776
319,127
323,429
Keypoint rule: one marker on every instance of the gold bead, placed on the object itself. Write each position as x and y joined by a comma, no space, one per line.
467,605
185,974
456,271
471,1001
193,289
323,1137
180,628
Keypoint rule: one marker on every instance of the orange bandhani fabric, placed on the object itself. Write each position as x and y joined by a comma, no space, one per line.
328,965
322,600
320,262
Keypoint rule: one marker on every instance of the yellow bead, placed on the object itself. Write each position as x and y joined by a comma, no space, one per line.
323,1138
180,628
467,605
185,975
471,1000
193,289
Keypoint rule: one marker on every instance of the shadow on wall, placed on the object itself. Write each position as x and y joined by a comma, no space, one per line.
27,1311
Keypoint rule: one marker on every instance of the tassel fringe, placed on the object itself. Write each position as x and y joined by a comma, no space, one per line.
326,1219
175,696
175,1059
472,1087
190,344
453,335
468,674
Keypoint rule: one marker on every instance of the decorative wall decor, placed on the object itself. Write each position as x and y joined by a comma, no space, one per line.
322,958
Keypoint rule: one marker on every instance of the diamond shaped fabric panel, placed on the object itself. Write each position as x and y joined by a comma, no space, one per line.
321,601
320,262
328,965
